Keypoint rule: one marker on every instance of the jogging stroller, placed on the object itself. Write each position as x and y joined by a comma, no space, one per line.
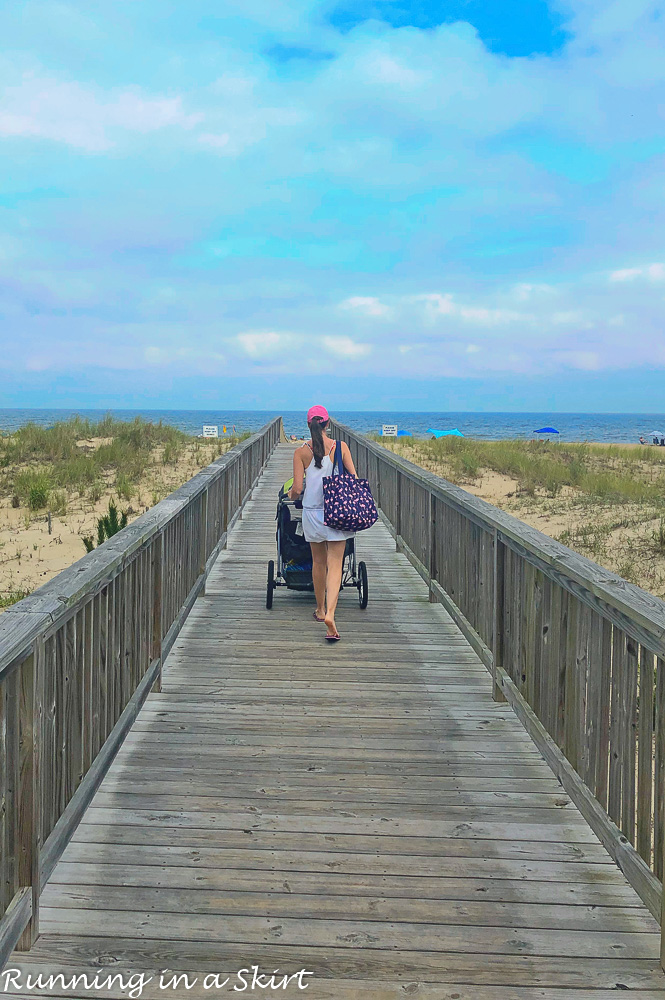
294,556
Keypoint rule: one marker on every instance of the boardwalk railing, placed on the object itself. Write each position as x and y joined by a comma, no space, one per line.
577,651
80,655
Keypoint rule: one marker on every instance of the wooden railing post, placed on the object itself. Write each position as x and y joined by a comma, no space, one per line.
29,790
203,541
498,616
398,510
432,568
157,607
662,930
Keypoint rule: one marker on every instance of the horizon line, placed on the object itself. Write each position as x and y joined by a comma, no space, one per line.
278,411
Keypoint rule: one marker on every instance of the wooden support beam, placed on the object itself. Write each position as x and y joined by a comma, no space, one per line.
498,617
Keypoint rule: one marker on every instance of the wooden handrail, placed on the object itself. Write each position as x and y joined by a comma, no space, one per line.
80,655
577,651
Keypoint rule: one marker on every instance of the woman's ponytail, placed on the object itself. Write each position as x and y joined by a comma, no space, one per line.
317,426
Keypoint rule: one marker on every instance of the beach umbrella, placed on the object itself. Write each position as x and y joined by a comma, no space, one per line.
547,430
404,434
439,434
656,434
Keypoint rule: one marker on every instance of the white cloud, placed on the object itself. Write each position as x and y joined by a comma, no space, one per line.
215,141
626,274
583,360
388,70
259,345
86,118
481,315
344,347
654,272
437,305
570,317
154,355
525,291
266,344
367,305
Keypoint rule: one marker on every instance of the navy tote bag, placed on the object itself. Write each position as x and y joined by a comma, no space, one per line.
348,504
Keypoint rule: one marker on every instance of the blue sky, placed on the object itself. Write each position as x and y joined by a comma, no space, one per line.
251,203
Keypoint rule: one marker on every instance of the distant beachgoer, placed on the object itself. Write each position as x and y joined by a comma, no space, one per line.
642,441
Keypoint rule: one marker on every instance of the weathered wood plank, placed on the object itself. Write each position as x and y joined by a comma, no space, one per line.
645,756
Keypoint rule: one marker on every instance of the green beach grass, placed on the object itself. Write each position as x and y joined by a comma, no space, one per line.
612,473
605,501
36,462
77,455
56,481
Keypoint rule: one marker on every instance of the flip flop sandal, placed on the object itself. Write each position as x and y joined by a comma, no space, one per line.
316,617
333,638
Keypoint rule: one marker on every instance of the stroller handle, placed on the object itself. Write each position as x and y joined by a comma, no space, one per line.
285,499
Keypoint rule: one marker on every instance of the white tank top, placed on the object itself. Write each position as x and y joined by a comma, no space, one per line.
313,495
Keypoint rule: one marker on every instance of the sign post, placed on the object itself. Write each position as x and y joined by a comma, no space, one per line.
389,430
210,432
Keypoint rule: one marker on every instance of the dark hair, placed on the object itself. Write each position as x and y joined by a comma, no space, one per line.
317,425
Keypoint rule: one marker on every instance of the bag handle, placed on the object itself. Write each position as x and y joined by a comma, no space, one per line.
339,461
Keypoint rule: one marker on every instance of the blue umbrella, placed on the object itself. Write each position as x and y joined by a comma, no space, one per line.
547,430
404,434
440,434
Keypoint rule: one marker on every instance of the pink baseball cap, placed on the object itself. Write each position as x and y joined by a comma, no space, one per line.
317,411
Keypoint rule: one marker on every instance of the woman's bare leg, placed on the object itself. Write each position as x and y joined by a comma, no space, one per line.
319,569
334,579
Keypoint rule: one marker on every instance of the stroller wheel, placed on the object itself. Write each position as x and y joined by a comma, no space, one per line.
271,584
363,590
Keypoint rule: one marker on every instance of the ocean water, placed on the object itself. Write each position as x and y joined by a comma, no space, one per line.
606,427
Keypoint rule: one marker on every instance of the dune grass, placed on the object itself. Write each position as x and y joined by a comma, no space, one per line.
10,597
57,483
605,501
40,460
38,463
605,472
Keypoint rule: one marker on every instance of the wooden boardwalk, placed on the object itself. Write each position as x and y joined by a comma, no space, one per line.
364,811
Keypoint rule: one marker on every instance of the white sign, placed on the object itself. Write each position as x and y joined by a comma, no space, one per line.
210,432
389,430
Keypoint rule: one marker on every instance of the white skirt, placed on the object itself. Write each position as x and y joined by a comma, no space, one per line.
315,529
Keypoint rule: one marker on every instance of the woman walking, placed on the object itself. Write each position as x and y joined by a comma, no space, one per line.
311,463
